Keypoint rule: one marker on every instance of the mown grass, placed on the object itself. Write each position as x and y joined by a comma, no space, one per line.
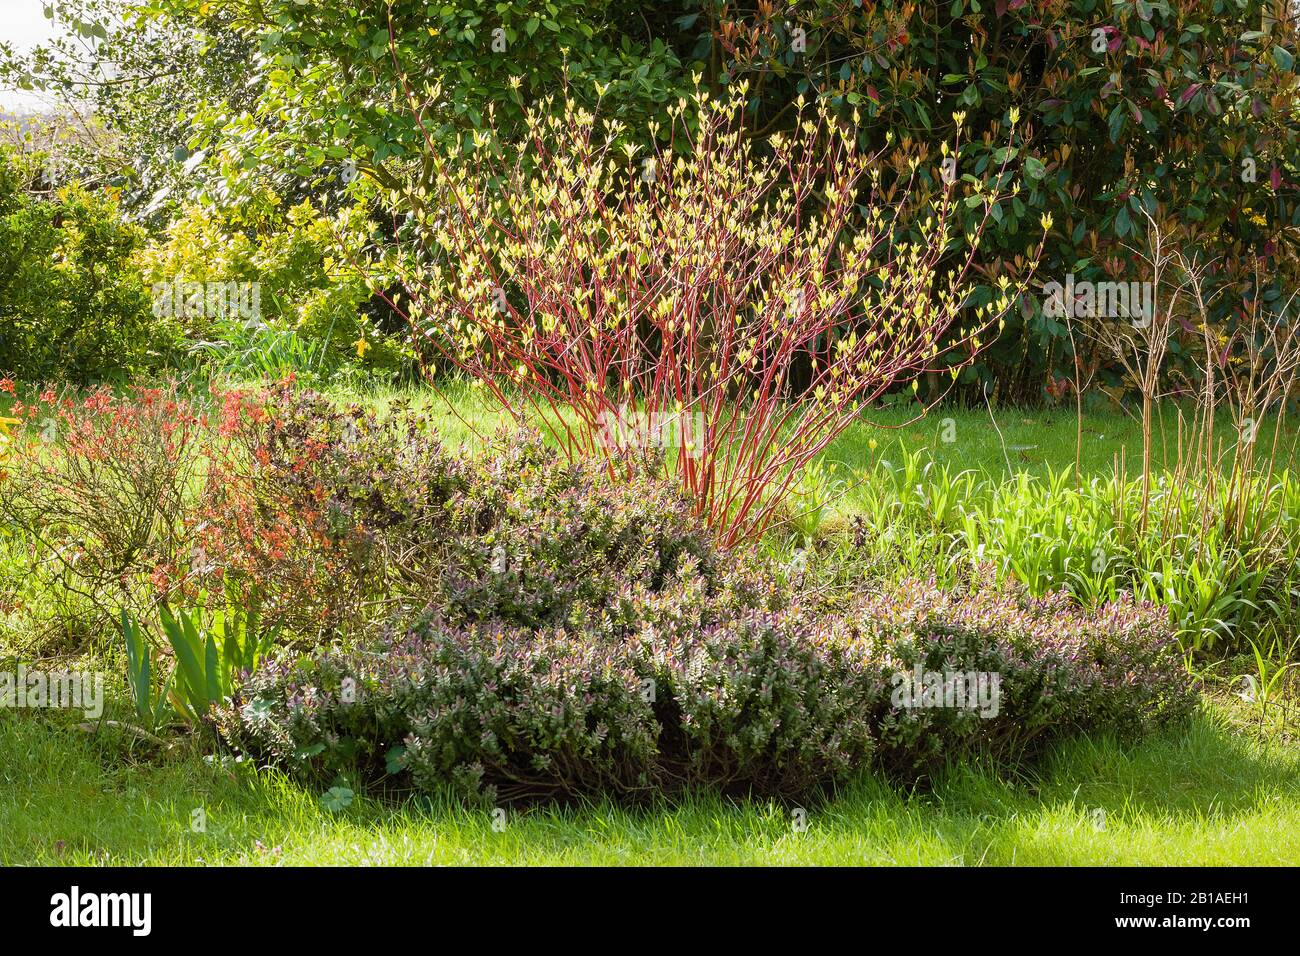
1201,794
994,444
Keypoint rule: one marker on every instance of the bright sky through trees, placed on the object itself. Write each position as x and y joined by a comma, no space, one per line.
23,24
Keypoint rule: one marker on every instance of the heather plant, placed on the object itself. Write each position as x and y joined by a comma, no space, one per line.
772,702
718,682
758,296
536,539
1061,669
479,708
499,712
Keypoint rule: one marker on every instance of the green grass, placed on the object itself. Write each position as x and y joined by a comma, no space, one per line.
1200,794
996,443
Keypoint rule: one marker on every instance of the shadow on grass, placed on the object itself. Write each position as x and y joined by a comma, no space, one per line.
1199,793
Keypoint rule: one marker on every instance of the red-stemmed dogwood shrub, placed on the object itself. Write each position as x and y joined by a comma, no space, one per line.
734,303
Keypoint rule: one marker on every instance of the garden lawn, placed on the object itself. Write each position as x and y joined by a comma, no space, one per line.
993,443
1203,794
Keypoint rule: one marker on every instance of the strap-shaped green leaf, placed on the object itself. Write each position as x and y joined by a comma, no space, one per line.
192,687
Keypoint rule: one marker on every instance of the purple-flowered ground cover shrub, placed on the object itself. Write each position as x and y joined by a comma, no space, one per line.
721,679
1057,669
536,540
539,627
337,515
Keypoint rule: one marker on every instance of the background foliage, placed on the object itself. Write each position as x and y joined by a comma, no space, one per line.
1183,110
72,305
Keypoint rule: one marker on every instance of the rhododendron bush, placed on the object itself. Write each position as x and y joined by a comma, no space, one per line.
745,299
